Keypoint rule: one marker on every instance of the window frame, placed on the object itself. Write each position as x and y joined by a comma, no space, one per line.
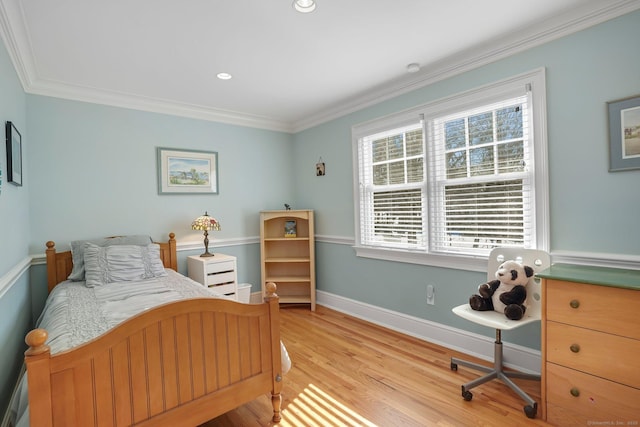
534,82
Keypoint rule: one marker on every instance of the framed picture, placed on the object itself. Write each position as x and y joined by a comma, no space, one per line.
14,154
187,171
624,134
290,228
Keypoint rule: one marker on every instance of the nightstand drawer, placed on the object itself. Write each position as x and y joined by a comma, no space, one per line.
576,398
224,289
221,278
608,356
220,267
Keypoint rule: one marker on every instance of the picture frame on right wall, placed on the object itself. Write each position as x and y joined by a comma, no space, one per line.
624,134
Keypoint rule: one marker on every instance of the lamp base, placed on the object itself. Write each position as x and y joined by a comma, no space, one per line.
206,245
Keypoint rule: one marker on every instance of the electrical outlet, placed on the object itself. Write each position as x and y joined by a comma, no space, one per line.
431,295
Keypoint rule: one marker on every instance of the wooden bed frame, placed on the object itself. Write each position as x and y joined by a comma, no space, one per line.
179,364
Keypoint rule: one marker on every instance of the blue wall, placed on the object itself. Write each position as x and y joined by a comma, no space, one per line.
15,304
94,173
91,171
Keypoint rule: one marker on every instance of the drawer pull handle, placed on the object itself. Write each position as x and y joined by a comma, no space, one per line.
574,303
575,392
575,348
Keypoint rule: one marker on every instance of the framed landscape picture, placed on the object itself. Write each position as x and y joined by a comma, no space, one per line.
624,134
187,171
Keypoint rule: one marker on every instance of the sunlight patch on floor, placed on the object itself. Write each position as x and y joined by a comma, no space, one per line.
314,407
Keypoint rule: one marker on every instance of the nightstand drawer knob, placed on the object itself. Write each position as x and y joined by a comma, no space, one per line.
575,348
574,303
575,392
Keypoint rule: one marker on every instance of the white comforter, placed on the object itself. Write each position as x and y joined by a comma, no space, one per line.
75,314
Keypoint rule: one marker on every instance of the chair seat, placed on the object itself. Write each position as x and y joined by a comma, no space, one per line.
493,319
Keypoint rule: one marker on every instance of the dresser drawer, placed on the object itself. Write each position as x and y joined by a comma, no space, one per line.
608,356
218,267
597,400
224,289
603,308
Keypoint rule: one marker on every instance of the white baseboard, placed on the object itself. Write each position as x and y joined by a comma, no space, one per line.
515,356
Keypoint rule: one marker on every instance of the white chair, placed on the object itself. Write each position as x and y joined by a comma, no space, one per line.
538,260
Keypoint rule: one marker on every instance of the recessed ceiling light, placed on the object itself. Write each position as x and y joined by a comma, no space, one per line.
304,6
413,67
224,76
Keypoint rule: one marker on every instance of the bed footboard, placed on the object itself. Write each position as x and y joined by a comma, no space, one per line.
182,363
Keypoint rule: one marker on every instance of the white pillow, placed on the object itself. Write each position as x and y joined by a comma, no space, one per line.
121,263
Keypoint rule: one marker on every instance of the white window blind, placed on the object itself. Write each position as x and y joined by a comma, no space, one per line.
481,190
392,188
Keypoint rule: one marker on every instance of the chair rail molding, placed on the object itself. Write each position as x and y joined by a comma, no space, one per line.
12,276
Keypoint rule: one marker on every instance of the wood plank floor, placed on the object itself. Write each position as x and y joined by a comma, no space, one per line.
348,372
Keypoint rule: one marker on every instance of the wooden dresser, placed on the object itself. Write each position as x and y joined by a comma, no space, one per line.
590,345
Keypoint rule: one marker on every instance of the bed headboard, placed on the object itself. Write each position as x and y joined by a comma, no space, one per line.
60,264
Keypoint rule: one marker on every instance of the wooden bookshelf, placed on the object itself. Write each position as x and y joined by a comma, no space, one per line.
287,255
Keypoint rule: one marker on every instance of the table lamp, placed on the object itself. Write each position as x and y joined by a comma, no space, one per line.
206,223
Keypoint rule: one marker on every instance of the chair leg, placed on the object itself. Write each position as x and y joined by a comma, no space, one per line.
497,372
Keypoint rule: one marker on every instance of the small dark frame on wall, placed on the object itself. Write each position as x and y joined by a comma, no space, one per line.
624,134
14,154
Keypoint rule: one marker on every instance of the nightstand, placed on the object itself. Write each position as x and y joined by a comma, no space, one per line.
217,272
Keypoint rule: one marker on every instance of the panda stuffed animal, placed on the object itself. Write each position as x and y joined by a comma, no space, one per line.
507,293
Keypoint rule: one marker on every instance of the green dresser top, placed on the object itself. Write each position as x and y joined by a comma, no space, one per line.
604,276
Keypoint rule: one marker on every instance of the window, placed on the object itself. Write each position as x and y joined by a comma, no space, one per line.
455,178
393,188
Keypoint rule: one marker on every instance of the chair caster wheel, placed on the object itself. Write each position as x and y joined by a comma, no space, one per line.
530,411
454,366
467,395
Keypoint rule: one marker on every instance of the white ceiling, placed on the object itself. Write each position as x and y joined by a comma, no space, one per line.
290,70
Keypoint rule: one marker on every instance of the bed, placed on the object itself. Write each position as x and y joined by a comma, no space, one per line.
180,361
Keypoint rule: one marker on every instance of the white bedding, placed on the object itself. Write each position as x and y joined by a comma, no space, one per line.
75,314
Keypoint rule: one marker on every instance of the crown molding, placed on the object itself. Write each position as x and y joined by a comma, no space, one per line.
13,35
137,102
16,40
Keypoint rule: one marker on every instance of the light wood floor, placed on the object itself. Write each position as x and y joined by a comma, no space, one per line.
347,372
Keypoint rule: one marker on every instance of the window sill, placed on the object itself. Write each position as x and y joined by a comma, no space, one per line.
458,262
